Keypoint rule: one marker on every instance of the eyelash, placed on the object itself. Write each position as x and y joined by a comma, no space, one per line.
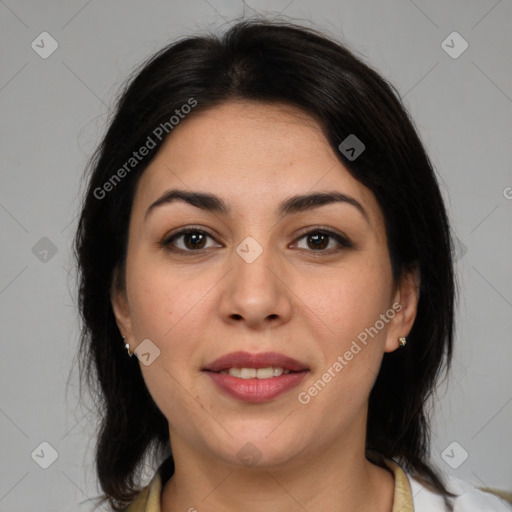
340,239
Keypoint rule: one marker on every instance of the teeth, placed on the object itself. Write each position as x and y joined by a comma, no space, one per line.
260,373
247,373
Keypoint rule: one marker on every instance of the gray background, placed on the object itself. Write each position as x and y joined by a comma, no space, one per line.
53,112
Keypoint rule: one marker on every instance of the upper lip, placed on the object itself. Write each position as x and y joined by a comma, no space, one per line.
261,360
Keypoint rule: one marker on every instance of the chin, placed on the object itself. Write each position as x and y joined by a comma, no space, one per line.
259,444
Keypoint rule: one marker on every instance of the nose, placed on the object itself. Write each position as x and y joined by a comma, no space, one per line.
256,293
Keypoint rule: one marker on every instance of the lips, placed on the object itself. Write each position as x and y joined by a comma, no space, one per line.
256,390
262,360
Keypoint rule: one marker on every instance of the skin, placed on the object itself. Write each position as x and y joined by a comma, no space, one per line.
292,299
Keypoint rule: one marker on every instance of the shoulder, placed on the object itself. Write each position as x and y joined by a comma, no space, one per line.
141,501
468,498
149,499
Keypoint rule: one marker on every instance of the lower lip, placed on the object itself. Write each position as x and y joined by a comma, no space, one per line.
256,390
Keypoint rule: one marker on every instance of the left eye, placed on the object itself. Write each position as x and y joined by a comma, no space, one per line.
319,240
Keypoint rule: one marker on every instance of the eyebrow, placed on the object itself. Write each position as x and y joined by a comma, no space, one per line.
295,204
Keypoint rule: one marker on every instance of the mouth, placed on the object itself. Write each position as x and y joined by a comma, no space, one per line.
255,377
256,373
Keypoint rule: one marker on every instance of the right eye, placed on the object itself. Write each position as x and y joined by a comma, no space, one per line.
188,240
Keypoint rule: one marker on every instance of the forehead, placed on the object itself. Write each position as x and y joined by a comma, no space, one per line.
251,137
251,154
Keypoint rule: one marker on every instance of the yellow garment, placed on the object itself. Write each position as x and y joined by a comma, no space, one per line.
150,497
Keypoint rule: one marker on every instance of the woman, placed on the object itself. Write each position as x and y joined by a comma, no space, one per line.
264,230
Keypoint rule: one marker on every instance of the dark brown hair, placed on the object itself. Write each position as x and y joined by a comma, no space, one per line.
268,62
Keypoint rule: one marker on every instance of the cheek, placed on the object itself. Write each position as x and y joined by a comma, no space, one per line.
163,300
346,307
175,396
166,311
347,301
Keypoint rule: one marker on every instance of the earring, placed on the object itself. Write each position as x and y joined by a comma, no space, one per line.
402,341
127,347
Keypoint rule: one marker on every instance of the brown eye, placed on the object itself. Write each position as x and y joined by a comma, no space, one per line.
194,240
318,241
188,241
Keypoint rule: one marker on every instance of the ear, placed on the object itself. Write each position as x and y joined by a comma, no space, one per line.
405,305
120,307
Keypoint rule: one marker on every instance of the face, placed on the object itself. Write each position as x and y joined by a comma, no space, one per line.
254,270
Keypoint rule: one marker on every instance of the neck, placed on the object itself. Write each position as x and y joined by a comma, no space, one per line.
337,478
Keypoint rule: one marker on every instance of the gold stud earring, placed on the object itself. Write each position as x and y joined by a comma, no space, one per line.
402,341
127,347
